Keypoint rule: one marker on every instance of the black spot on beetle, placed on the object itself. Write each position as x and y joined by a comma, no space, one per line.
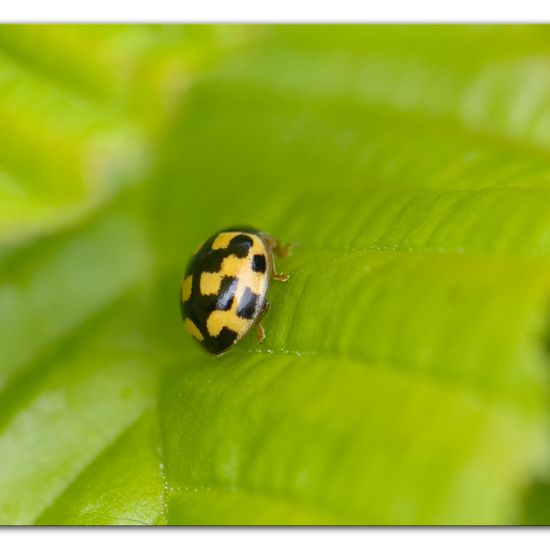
224,340
247,305
210,260
240,245
258,263
226,295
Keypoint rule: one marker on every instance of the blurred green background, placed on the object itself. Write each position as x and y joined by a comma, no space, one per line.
404,377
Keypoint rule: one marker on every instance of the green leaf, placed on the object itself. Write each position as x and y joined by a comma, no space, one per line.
122,486
404,376
87,103
60,417
79,368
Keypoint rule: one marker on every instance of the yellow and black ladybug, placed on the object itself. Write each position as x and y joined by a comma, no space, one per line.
224,291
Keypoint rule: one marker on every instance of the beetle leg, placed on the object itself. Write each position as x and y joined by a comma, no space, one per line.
282,277
263,311
278,276
281,251
260,331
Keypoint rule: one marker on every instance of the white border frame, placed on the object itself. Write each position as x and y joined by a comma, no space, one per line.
281,11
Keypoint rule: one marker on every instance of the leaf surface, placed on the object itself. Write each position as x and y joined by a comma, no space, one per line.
404,377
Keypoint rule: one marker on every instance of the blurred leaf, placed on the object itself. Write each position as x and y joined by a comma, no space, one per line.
122,486
404,377
76,401
79,369
82,108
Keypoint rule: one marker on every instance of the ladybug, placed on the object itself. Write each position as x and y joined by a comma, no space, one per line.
224,290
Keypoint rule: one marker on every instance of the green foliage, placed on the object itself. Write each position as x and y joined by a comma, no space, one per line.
404,377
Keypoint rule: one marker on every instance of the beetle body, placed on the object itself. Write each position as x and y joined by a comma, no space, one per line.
224,290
